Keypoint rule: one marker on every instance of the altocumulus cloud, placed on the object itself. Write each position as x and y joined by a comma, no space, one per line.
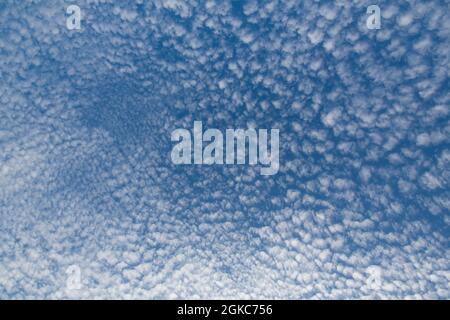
358,209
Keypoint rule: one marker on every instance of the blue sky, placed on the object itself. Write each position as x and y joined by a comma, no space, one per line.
86,178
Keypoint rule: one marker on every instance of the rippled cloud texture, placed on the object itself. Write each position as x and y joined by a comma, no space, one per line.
358,209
